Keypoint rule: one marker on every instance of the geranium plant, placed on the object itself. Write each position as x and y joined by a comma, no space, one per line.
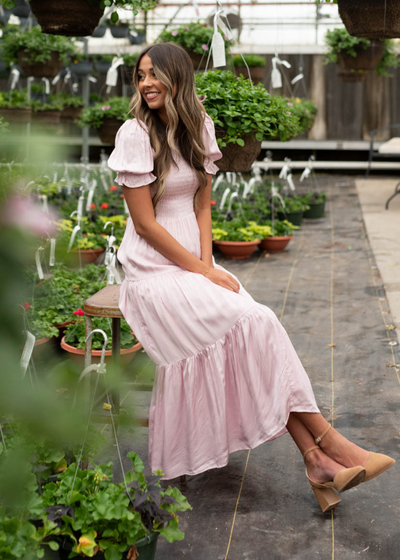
194,37
96,514
75,334
113,108
242,109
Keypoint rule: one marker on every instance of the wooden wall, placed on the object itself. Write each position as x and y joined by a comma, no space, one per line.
347,111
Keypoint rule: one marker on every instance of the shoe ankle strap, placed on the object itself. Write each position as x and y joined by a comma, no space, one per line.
309,450
319,438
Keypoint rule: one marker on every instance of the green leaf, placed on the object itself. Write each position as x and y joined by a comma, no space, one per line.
240,141
53,545
172,532
114,17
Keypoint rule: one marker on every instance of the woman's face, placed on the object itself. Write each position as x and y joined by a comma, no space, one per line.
152,90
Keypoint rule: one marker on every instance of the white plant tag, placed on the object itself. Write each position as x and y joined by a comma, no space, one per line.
218,50
289,179
46,85
222,203
113,267
112,74
73,235
27,352
52,260
80,207
14,78
45,207
297,79
276,78
56,79
284,171
218,181
306,173
38,263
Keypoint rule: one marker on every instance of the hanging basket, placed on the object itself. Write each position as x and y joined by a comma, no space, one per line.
73,18
22,9
47,117
373,19
100,31
199,61
238,159
82,68
257,73
16,114
294,218
108,131
48,69
102,67
70,114
315,211
353,69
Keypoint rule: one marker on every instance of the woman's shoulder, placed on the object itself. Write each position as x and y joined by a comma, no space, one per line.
132,127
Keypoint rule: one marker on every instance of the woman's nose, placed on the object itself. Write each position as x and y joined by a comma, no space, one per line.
147,80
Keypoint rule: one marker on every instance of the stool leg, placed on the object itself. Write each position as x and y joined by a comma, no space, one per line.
116,344
183,479
88,358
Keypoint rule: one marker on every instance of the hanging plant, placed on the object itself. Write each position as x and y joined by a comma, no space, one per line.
355,55
373,19
38,54
15,107
77,18
243,115
106,117
255,63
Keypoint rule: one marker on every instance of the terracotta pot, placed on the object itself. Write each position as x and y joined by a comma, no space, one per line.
48,69
48,117
40,345
373,19
70,114
237,249
78,354
257,73
76,18
108,131
275,244
88,256
237,158
16,114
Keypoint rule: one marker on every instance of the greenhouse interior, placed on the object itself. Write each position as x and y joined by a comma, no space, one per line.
200,229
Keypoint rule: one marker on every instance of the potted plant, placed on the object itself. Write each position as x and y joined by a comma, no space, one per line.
279,235
195,38
38,54
106,117
293,210
243,115
15,107
137,36
119,29
75,334
235,239
100,30
255,63
110,520
46,113
103,63
316,203
354,55
127,67
305,110
71,106
81,66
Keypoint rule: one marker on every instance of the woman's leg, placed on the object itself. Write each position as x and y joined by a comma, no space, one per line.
333,444
320,467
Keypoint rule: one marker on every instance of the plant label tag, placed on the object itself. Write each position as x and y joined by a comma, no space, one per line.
218,50
39,264
224,196
27,352
52,260
306,173
14,78
276,78
290,181
112,74
73,235
80,207
218,182
46,85
45,207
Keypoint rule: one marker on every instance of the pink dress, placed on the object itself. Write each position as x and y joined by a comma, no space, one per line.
227,375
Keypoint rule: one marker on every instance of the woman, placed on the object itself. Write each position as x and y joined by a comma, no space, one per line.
227,375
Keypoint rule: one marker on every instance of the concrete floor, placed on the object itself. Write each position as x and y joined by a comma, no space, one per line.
329,294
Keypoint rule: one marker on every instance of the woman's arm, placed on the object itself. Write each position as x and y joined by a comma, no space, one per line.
203,217
142,213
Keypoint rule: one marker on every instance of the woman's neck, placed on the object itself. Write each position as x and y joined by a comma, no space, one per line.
162,113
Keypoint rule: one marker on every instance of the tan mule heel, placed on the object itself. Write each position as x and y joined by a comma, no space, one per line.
344,480
376,464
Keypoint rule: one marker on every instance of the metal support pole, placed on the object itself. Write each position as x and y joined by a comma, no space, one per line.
85,99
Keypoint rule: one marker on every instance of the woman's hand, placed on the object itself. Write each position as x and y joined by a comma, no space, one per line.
223,279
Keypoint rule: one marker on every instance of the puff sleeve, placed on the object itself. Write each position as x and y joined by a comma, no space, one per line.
132,157
211,146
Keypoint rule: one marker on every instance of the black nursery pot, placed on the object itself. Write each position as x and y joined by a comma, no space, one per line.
146,548
119,31
100,31
315,211
294,218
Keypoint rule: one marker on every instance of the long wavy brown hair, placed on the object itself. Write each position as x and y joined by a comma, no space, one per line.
184,132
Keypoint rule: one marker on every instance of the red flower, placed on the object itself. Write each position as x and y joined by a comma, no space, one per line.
104,205
122,196
76,287
26,305
93,206
213,203
113,188
79,312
